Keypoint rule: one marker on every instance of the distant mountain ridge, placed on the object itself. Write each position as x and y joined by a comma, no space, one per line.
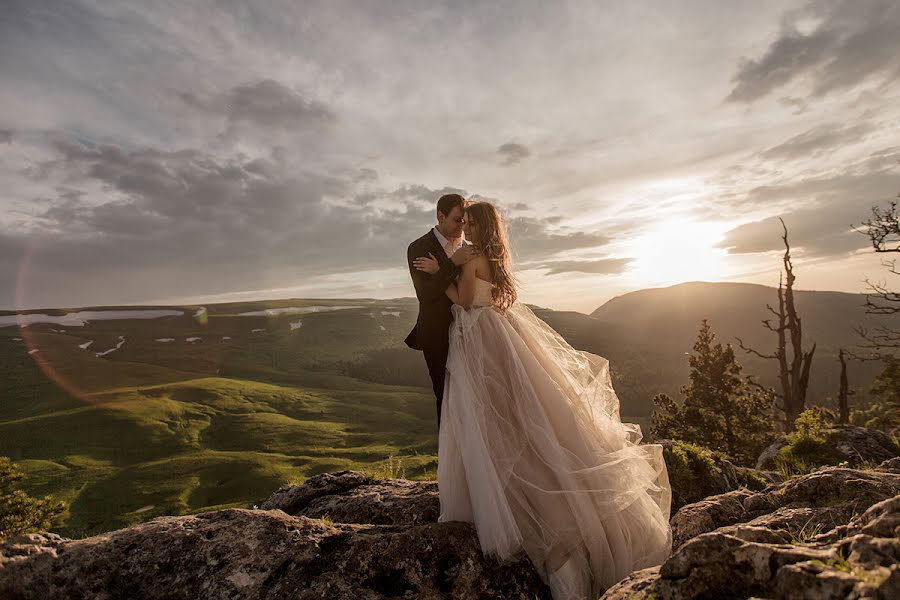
647,334
737,309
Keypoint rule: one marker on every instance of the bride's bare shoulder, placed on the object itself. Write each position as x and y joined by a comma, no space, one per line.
483,269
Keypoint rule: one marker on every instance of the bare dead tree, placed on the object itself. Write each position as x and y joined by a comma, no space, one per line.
883,231
844,392
793,374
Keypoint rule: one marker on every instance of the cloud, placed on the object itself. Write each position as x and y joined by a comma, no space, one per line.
271,104
765,235
800,105
266,104
850,44
864,180
187,210
198,224
533,239
787,58
269,145
819,211
365,174
513,153
605,266
818,140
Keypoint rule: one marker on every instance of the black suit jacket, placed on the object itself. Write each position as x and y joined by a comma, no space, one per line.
432,329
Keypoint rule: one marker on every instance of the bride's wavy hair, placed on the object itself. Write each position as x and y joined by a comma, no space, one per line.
494,245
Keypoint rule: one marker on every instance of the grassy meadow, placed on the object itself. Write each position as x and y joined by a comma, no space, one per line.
176,427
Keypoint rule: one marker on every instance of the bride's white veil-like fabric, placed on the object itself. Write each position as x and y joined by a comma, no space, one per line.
532,450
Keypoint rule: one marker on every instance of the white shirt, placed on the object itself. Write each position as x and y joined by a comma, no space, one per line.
450,246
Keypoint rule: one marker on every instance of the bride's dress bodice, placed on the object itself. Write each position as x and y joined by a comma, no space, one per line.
482,292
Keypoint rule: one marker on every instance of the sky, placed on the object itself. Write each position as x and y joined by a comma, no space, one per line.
197,151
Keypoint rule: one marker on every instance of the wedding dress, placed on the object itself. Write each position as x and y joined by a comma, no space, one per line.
532,451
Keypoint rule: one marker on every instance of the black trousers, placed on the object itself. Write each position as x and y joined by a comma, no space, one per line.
436,359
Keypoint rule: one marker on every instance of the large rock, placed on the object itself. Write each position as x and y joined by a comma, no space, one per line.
829,534
354,497
268,553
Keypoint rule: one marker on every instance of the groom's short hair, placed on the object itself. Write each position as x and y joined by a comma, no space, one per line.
448,202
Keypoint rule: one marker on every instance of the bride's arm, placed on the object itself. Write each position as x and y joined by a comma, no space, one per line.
465,285
452,293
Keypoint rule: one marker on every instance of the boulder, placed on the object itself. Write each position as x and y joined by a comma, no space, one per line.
355,497
830,534
269,553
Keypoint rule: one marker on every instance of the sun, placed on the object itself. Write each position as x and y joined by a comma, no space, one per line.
675,251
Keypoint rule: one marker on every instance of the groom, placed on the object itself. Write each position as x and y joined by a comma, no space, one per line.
444,242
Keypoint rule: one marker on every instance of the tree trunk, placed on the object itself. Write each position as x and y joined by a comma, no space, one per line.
794,375
801,361
784,371
843,405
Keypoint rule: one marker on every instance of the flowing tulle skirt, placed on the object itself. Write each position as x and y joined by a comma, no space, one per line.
532,451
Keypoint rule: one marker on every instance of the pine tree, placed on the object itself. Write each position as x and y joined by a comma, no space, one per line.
887,383
720,411
19,512
883,412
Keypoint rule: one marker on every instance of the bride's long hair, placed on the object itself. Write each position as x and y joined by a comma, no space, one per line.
494,245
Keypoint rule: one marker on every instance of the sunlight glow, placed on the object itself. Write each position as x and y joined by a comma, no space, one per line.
675,251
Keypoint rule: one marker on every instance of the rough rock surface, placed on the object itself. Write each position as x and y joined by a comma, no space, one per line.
354,497
766,459
834,533
258,554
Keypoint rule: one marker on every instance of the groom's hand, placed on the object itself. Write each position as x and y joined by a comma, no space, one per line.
466,253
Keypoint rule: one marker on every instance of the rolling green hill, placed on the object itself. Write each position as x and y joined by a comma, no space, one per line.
169,427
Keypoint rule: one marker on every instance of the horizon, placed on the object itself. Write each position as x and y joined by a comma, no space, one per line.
207,302
244,159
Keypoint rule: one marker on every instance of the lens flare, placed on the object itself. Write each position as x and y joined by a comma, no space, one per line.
34,351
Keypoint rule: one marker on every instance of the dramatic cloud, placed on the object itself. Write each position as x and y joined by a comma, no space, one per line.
268,104
513,153
606,266
849,44
819,212
819,139
272,104
189,207
533,239
201,218
154,151
804,232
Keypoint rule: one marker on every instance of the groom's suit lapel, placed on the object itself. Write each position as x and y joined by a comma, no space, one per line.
436,248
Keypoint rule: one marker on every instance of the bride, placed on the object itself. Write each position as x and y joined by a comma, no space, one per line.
531,448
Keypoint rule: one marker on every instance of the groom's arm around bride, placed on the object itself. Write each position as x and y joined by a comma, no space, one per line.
431,288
